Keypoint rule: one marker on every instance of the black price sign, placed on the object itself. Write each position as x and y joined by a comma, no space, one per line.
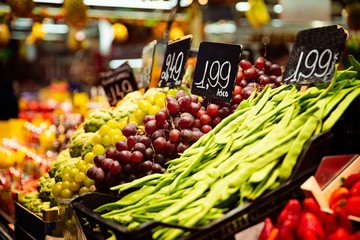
314,55
118,82
173,67
147,64
216,70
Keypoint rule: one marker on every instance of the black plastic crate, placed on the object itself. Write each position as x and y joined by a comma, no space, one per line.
234,221
339,140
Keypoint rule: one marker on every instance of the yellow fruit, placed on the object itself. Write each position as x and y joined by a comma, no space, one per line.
4,34
257,15
121,33
175,33
153,110
8,158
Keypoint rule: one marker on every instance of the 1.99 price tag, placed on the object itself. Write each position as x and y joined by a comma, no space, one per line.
314,55
173,67
216,70
117,83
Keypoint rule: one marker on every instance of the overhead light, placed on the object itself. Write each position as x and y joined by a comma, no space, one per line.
221,27
203,2
49,1
22,23
242,6
278,8
144,4
155,4
317,23
133,63
55,28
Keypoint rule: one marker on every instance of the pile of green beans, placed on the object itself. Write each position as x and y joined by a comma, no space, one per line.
252,151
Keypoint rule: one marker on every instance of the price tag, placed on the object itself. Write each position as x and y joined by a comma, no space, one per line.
216,70
147,64
173,67
314,55
118,82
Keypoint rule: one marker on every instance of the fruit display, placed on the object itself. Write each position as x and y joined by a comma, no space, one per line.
164,136
98,133
20,167
69,177
306,221
249,152
22,158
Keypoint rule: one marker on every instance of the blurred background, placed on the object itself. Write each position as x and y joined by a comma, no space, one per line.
51,42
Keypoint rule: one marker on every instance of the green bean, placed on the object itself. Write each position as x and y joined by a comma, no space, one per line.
337,113
326,90
281,137
259,176
347,74
279,90
335,100
355,64
138,182
295,149
198,189
264,185
244,173
239,143
186,172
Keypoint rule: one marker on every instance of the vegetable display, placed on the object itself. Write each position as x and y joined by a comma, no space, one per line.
251,151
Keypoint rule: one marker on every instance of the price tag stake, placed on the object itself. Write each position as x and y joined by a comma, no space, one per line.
147,64
216,69
173,67
314,55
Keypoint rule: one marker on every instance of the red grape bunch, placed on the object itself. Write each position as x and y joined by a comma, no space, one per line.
163,137
256,76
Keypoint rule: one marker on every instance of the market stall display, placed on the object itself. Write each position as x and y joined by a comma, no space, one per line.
253,150
204,148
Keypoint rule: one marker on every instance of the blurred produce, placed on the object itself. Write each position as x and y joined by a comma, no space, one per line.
257,15
75,13
121,33
37,34
33,203
45,186
21,8
4,34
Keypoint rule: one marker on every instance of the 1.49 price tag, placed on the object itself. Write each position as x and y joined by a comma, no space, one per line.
118,82
314,55
173,67
216,70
